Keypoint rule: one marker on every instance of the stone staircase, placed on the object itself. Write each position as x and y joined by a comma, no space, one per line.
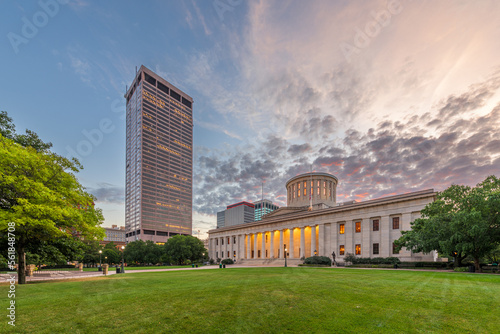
268,262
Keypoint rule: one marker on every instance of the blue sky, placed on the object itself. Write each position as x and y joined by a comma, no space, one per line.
390,96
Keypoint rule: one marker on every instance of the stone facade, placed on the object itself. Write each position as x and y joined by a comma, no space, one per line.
366,229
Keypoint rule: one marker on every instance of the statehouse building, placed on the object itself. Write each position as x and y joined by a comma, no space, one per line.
313,223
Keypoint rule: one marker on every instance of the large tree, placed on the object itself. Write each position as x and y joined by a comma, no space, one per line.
40,194
184,247
463,221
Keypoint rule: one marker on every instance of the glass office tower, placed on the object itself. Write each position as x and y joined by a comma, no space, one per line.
159,159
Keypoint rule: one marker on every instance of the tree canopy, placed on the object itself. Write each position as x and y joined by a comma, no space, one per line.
462,221
40,193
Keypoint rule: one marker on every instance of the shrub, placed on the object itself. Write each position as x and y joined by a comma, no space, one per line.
211,261
461,269
353,259
227,261
318,260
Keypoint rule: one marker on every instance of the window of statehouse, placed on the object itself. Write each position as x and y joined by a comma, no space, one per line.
395,223
358,227
341,228
376,224
341,250
375,249
358,249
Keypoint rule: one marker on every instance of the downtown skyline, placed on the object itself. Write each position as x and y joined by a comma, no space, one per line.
388,96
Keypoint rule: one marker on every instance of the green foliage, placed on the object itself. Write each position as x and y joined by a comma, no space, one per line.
463,221
185,247
351,258
41,195
227,261
211,261
461,269
318,260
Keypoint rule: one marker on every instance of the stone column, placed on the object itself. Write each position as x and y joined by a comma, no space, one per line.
255,250
313,240
302,242
281,251
249,252
385,244
404,225
321,240
263,249
271,245
290,245
366,232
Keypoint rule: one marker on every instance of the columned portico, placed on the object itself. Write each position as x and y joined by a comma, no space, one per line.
248,246
321,240
290,249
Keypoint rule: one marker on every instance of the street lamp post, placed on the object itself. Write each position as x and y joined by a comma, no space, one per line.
315,252
285,258
123,250
100,255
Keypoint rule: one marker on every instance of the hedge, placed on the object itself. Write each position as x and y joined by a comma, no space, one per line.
318,260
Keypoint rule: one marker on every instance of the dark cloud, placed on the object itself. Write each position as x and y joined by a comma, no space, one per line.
299,149
108,193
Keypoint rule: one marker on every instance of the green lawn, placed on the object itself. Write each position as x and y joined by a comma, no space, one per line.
262,300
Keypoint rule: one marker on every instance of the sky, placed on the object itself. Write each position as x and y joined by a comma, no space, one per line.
389,96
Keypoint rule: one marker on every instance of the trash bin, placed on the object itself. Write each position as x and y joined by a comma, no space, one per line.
192,266
220,265
117,270
224,266
395,266
196,266
472,269
99,269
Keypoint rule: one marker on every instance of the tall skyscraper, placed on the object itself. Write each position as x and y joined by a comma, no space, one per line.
159,166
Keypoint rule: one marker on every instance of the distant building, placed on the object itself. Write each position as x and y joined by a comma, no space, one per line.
116,235
263,207
235,214
221,217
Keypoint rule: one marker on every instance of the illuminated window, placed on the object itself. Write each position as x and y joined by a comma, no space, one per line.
358,227
341,250
376,225
375,249
318,189
227,253
395,223
358,249
305,188
394,249
293,190
298,188
228,240
341,228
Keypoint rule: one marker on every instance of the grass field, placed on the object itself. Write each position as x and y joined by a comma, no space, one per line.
261,300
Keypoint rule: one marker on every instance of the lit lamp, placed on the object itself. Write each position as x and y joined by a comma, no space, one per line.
106,259
123,251
285,257
234,258
315,252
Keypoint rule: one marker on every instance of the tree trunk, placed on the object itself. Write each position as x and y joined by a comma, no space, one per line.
477,265
21,262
